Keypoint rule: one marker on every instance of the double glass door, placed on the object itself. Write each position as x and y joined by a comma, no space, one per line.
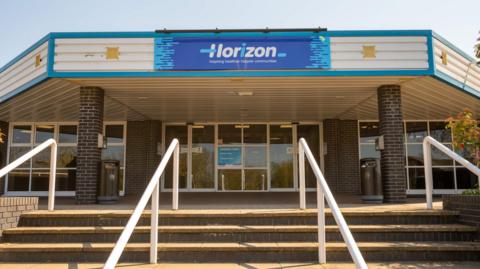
240,157
197,143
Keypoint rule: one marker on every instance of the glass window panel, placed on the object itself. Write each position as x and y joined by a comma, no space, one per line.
203,157
443,178
255,156
369,131
114,133
416,177
441,159
415,154
465,154
256,179
67,157
416,131
369,151
22,134
466,179
181,133
42,159
67,134
229,134
17,152
229,179
114,153
43,133
40,180
255,134
439,132
66,179
281,157
311,134
18,180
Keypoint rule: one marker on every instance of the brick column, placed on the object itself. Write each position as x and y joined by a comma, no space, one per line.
90,124
3,152
393,156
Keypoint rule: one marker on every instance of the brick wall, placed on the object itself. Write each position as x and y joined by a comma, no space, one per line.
90,124
393,156
142,158
467,205
342,167
349,164
330,134
12,207
3,152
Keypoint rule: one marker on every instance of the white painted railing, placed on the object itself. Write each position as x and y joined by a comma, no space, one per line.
53,167
427,160
152,190
324,193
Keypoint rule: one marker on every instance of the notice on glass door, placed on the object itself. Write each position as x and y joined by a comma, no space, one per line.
229,156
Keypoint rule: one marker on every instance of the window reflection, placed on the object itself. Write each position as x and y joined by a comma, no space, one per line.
281,156
416,131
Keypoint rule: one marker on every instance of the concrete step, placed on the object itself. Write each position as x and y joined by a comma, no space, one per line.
240,252
242,233
234,217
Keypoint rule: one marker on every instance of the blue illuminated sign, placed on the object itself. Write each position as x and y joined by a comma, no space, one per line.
228,156
242,53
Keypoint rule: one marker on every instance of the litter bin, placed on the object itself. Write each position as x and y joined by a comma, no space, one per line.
371,181
108,183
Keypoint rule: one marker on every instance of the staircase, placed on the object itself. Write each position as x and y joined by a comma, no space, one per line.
239,236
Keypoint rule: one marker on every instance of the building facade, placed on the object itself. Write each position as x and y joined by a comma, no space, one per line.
238,101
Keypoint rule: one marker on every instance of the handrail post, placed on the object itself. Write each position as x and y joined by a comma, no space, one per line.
322,252
336,213
301,178
53,174
427,157
154,225
176,167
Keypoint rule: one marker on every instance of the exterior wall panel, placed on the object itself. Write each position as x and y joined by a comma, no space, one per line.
457,66
24,70
391,53
89,54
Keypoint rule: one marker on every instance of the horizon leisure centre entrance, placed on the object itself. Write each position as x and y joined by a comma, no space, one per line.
240,156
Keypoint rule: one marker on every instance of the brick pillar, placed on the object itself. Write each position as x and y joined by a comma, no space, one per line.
3,152
393,156
90,124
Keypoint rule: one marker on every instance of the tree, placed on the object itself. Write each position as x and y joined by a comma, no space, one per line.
466,135
477,49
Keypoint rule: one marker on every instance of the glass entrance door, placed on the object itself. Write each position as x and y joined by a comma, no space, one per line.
242,157
311,133
230,157
203,156
181,133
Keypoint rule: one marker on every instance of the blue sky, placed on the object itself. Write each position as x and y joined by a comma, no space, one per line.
23,22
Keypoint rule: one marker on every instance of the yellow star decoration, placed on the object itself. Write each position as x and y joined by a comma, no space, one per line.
112,53
369,52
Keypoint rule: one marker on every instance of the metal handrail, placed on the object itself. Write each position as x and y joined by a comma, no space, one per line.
53,167
323,192
152,190
427,160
